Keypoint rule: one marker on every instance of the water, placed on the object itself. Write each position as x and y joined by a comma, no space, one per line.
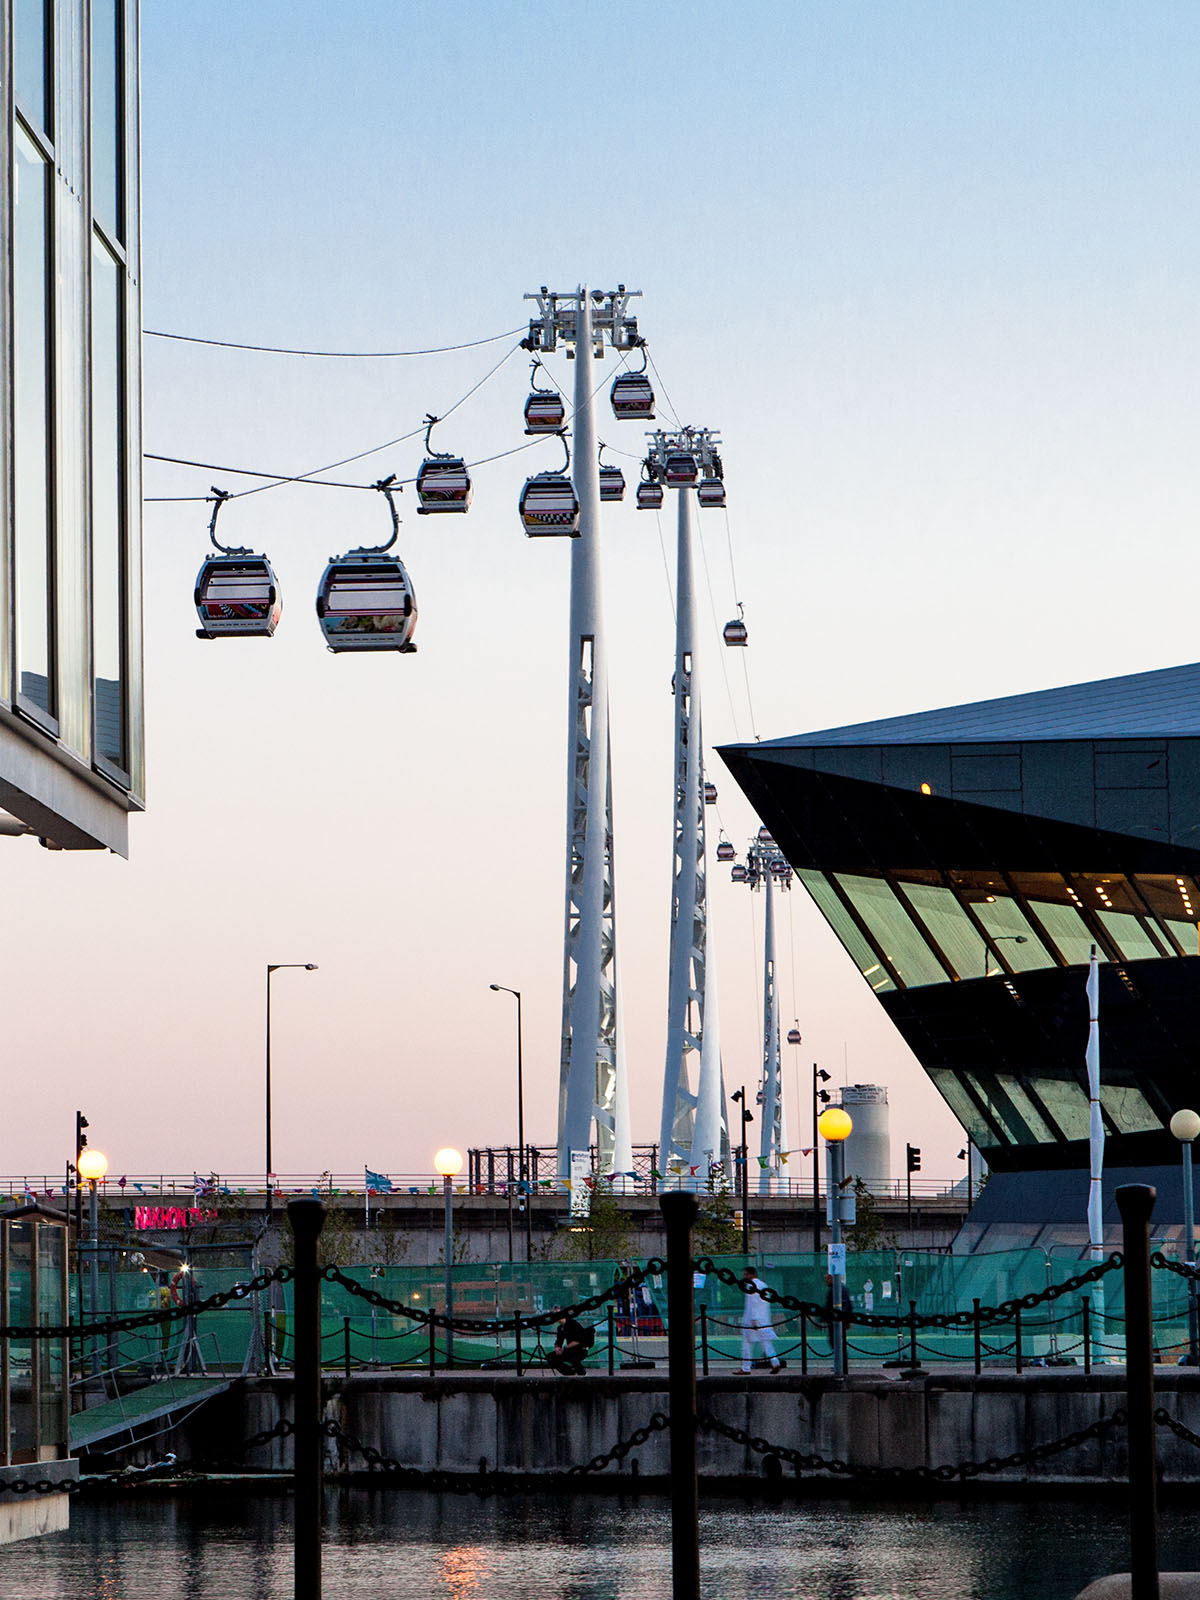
393,1545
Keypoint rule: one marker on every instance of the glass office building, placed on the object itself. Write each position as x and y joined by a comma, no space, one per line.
969,859
71,753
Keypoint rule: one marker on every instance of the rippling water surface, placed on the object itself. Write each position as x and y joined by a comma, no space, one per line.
398,1546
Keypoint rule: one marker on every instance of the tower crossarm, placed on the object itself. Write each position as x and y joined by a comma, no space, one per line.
557,320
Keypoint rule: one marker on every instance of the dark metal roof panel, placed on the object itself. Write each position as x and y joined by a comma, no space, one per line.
1158,704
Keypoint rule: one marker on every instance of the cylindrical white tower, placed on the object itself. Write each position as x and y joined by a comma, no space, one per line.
869,1147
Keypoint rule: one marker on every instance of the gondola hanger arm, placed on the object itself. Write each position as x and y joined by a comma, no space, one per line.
390,488
219,498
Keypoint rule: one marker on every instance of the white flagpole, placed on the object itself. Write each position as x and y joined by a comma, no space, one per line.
1096,1141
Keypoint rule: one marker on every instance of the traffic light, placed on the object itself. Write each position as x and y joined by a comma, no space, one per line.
914,1157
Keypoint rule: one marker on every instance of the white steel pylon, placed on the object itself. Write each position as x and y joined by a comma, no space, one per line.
592,1087
694,1129
767,865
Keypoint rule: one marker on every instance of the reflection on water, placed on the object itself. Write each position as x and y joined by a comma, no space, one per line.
393,1545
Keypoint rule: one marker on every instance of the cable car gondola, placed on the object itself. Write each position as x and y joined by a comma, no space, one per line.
793,1036
443,482
779,868
725,851
764,837
711,492
738,873
735,632
649,490
631,396
549,505
612,480
680,469
544,410
710,794
366,599
236,591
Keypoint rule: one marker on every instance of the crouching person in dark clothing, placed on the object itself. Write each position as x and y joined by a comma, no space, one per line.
572,1343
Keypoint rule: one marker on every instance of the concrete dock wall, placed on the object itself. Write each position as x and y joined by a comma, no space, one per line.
541,1425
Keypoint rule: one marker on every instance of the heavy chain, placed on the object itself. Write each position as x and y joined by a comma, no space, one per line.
1181,1269
1004,1312
41,1486
540,1319
489,1483
944,1474
151,1319
1179,1429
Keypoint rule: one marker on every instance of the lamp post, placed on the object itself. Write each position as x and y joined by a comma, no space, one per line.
739,1096
449,1163
1000,938
1185,1125
526,1197
92,1166
835,1128
821,1095
276,966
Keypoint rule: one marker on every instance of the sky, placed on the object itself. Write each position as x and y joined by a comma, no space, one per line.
929,271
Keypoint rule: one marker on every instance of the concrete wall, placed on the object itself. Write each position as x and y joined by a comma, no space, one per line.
25,1516
543,1425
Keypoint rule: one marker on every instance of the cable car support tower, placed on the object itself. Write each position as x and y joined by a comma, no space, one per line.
766,865
592,1085
694,1132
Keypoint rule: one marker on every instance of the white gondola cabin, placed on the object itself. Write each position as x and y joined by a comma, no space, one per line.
443,484
711,492
549,506
612,483
735,632
725,851
366,602
631,397
237,594
793,1036
738,873
649,495
680,469
544,412
765,837
710,794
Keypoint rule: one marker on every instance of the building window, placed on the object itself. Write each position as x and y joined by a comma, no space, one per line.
1003,920
1175,902
33,350
959,940
108,504
847,930
895,932
1128,1108
108,121
32,55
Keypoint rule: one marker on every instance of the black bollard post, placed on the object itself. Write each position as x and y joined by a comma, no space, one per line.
1087,1337
517,1332
1017,1339
978,1338
914,1360
680,1210
803,1343
612,1340
346,1345
307,1218
1135,1201
704,1339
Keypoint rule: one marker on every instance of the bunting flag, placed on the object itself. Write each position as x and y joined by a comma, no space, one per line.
783,1155
655,1173
763,1162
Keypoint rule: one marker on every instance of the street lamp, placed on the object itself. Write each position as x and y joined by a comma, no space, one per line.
526,1196
1000,938
91,1167
1185,1125
835,1127
821,1095
449,1163
276,966
747,1116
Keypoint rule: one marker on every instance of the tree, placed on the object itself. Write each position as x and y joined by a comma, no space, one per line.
607,1235
717,1230
867,1231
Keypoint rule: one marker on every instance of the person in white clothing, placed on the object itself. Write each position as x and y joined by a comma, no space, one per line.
756,1322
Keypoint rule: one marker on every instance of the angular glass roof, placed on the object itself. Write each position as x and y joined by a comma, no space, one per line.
1160,704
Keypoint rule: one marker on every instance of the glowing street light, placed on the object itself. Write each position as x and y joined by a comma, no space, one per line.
448,1161
835,1127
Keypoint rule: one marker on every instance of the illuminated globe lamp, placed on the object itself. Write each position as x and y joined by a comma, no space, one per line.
448,1162
1185,1125
835,1127
93,1164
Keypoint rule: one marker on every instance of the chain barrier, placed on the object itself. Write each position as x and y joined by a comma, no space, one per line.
485,1483
944,1474
1168,1264
41,1486
151,1319
540,1319
951,1319
1179,1429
